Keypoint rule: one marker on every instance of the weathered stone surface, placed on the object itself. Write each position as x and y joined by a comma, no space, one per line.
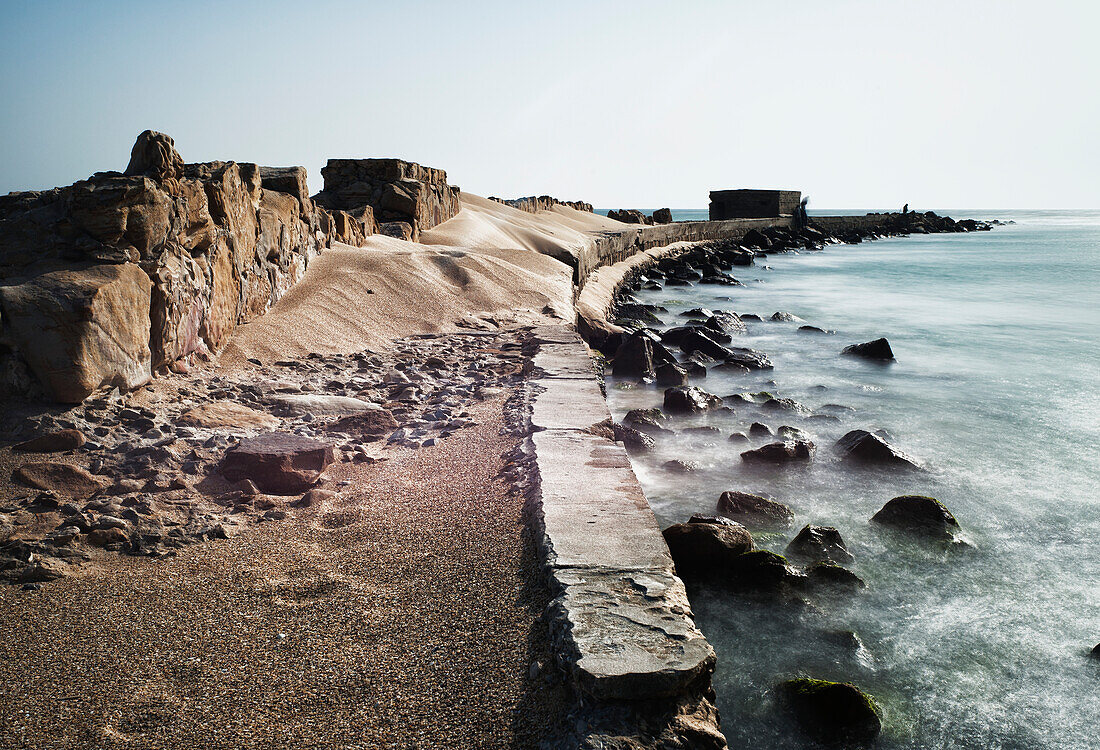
754,510
568,403
918,514
832,711
63,479
289,180
154,155
662,216
878,350
634,358
295,404
368,423
81,331
865,447
821,544
533,204
560,361
52,442
689,399
629,216
227,414
778,453
278,463
671,375
829,575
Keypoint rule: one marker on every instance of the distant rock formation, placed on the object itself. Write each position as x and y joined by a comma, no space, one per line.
662,216
532,204
629,216
107,280
393,190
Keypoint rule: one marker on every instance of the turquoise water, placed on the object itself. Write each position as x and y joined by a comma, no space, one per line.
997,390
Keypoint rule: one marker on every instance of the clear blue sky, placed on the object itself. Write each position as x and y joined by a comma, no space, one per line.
644,104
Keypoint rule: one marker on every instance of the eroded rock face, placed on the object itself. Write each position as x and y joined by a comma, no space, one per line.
278,463
154,155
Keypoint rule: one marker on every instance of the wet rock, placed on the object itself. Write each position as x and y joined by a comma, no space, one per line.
697,340
831,711
829,575
784,404
864,447
706,549
671,375
779,453
52,442
649,421
749,358
738,437
918,514
762,570
278,463
785,317
759,429
754,238
679,466
63,479
812,329
720,520
634,358
1095,653
689,399
878,350
754,510
695,370
792,433
726,322
634,440
819,543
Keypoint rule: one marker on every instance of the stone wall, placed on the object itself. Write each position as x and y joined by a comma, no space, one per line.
396,192
107,280
750,204
532,204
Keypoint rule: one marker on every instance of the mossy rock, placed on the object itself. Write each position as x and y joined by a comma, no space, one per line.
832,711
762,570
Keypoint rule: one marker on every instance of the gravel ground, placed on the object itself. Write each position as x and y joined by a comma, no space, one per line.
401,613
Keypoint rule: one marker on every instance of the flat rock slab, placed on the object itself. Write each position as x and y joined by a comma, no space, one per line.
64,479
53,442
371,422
592,510
557,335
564,361
568,404
295,404
227,414
278,463
629,635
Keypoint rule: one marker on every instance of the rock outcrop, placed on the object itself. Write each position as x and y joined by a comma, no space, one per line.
395,191
104,282
533,204
629,216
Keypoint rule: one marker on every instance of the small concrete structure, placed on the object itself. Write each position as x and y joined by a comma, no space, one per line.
753,204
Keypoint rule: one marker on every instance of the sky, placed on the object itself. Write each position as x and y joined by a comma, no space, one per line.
623,104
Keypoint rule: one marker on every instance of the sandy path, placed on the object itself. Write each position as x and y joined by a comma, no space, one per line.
401,615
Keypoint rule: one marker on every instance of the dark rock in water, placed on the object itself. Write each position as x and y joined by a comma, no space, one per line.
755,238
785,317
780,453
918,514
762,570
726,322
732,367
792,433
720,520
878,350
699,341
784,404
819,543
278,463
1095,653
634,440
831,711
644,314
695,370
812,329
864,447
831,575
697,312
649,421
52,442
706,549
751,316
671,375
661,353
749,358
634,358
674,335
703,430
679,466
689,399
755,510
738,437
759,429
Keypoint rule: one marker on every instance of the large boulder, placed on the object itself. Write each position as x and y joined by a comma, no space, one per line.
278,463
864,447
634,358
696,339
154,155
762,570
820,544
83,330
671,375
689,400
832,712
662,216
748,358
878,350
725,322
918,514
754,510
781,453
703,550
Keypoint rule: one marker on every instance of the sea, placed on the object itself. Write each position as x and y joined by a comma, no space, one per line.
996,391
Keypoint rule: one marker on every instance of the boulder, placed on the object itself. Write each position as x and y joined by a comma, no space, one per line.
662,216
759,429
671,375
697,340
634,358
52,442
878,350
706,549
59,478
369,423
756,238
154,155
754,510
82,331
864,447
829,575
831,712
785,317
762,570
278,463
780,453
820,544
726,322
748,358
635,441
227,414
680,466
649,421
689,399
918,514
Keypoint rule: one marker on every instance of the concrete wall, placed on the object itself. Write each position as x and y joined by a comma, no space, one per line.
744,204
